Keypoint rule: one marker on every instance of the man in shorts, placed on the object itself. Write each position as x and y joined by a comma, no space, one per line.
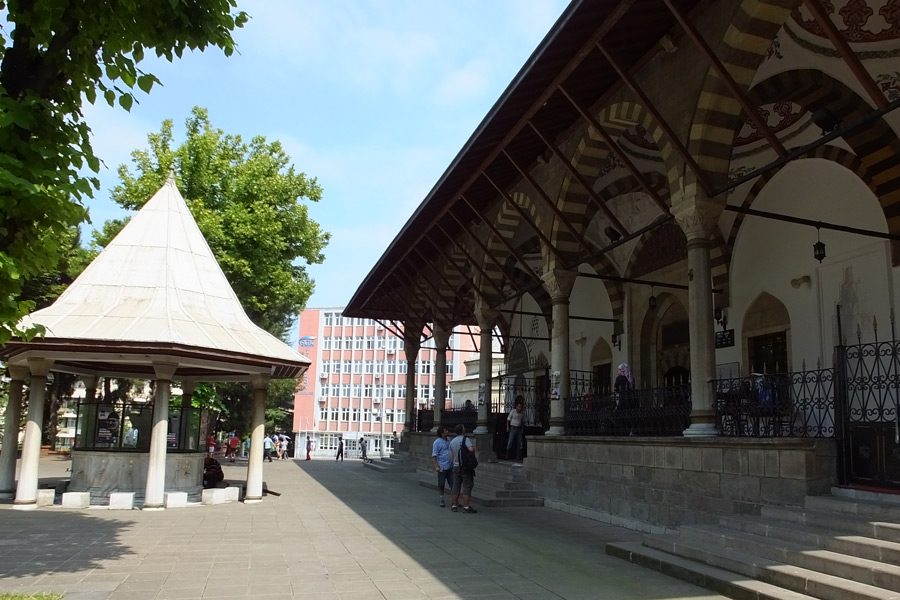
463,479
442,461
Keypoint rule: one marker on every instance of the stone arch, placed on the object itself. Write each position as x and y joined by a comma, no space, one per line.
601,364
877,160
717,119
766,318
658,355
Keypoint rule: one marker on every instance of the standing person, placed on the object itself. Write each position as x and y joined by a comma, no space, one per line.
463,479
623,385
211,444
267,448
515,427
362,449
232,446
285,446
308,447
340,454
442,461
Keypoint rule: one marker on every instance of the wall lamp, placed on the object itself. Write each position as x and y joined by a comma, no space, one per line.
617,341
721,315
818,248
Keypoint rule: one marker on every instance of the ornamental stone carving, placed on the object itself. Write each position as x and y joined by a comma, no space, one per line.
559,284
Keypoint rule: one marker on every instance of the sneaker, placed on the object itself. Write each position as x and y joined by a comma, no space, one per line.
454,508
469,510
442,503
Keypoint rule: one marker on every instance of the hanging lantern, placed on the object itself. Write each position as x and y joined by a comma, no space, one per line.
818,248
652,301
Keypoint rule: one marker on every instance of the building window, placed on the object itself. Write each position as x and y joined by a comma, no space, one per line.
357,367
357,390
380,343
358,344
388,415
356,412
401,415
370,343
348,343
392,367
367,415
326,344
333,416
345,390
329,319
326,367
323,414
449,367
369,366
345,414
348,366
367,390
402,370
335,366
401,344
425,392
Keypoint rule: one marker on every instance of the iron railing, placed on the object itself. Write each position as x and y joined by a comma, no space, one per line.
799,404
534,388
451,417
646,412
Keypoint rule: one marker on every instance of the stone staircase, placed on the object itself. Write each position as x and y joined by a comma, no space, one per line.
399,462
840,547
497,484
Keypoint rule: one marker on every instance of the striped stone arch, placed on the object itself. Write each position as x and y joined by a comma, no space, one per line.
592,154
832,153
876,145
603,265
717,119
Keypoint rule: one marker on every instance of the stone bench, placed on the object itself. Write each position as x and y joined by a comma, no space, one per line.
76,499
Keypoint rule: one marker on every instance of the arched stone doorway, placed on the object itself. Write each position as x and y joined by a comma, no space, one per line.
766,328
601,366
665,344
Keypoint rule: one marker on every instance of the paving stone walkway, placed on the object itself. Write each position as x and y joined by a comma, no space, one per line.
337,531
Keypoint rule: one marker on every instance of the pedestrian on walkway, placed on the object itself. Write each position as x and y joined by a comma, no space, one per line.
340,454
267,448
362,449
442,461
308,448
233,442
463,479
515,427
211,444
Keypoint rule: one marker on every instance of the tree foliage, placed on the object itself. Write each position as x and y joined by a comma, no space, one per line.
248,201
54,55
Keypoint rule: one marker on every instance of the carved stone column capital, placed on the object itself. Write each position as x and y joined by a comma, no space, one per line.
485,315
441,336
698,217
559,284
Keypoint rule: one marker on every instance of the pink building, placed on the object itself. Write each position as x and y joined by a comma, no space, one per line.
356,384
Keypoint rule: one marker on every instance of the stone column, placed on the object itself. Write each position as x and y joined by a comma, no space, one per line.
155,492
26,490
442,335
185,436
411,354
253,492
559,284
11,432
486,318
697,218
90,388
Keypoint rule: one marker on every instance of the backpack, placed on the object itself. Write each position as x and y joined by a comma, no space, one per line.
467,460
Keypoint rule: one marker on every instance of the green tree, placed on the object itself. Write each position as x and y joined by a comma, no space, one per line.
55,55
248,201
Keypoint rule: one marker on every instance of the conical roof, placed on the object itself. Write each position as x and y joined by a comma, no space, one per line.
158,283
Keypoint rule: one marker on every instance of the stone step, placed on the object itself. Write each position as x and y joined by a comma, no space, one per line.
797,579
390,467
490,496
854,568
817,537
841,523
721,581
868,509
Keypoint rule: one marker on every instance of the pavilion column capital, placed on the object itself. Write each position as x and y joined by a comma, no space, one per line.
18,372
259,382
164,370
485,315
39,367
698,216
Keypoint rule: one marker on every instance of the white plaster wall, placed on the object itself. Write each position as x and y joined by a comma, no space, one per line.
768,254
588,299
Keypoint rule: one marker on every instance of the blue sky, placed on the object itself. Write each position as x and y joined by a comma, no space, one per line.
373,98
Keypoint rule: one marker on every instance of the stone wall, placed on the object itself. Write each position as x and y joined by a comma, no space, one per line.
659,484
102,473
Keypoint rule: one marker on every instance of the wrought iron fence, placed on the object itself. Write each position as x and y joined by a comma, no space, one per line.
451,417
647,412
534,388
872,382
799,404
